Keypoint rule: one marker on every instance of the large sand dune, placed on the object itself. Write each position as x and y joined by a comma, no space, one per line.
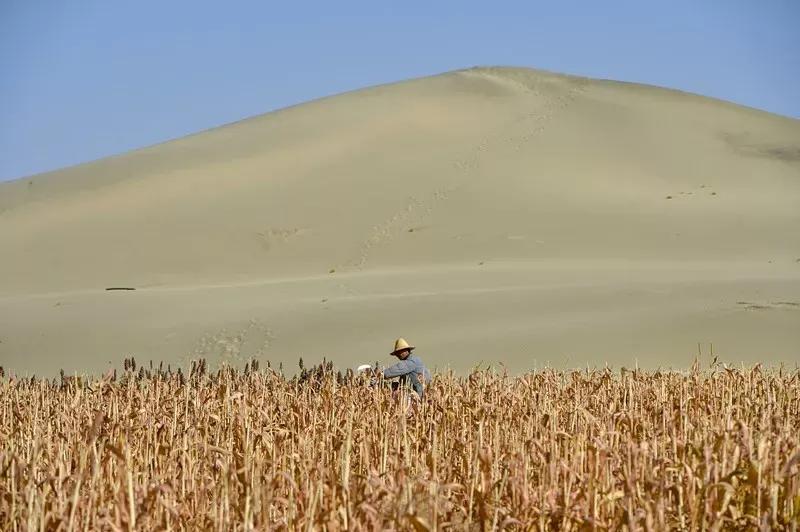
492,214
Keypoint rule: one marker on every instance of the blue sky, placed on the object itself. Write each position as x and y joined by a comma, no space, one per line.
86,79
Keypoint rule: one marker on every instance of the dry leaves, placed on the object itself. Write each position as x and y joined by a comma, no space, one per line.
547,450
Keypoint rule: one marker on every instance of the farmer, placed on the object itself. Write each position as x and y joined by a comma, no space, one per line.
409,369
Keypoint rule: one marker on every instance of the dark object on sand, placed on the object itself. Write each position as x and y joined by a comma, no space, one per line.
120,288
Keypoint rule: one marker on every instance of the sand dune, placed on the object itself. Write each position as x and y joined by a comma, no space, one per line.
491,214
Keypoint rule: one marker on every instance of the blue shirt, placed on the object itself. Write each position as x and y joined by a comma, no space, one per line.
408,369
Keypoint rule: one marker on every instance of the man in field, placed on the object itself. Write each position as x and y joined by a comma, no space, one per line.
410,369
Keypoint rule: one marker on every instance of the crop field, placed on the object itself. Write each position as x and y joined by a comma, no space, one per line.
232,449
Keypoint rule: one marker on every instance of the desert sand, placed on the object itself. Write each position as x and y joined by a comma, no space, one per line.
500,216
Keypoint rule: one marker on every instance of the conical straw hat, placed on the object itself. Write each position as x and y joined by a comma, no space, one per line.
401,344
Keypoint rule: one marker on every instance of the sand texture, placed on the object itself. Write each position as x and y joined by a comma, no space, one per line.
493,214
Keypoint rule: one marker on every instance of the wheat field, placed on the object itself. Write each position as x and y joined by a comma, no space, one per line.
157,449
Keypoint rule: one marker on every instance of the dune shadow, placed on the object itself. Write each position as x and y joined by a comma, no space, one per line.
744,144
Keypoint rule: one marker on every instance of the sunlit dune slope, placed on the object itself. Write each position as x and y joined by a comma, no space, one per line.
447,208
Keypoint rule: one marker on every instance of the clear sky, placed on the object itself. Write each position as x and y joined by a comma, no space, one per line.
84,79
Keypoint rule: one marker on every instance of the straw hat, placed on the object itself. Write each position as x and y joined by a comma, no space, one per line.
399,345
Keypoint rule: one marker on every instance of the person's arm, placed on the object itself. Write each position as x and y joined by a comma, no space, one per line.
404,367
